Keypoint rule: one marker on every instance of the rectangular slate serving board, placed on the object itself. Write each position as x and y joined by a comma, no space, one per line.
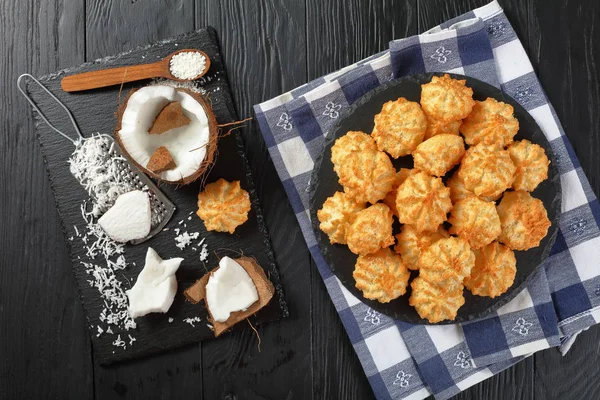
95,111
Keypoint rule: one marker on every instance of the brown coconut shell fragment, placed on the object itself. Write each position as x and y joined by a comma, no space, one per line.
161,161
211,147
264,287
170,117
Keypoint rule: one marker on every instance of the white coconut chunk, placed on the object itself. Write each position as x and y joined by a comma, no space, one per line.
155,287
129,218
142,108
229,289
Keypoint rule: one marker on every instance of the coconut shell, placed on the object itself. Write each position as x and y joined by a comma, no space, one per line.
211,146
264,287
161,161
170,117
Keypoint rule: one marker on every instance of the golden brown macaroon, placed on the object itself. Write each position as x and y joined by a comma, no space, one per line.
435,303
447,99
438,155
223,206
440,127
524,220
531,162
337,214
390,198
367,176
351,142
411,242
399,127
458,191
494,271
491,122
423,201
476,221
447,262
487,171
371,230
381,276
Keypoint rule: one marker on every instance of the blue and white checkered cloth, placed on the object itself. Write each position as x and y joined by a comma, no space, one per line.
406,361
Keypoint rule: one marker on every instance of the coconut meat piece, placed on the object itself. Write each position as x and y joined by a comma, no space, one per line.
155,287
129,218
142,108
229,289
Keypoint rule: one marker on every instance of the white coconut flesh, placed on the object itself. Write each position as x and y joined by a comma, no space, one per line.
142,108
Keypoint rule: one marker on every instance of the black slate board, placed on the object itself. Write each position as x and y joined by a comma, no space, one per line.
360,117
94,111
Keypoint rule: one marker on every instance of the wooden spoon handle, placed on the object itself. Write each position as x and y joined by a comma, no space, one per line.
112,76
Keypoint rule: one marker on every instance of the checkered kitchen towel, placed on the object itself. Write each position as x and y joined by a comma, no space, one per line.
412,361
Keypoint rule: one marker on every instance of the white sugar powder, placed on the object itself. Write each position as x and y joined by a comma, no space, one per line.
187,65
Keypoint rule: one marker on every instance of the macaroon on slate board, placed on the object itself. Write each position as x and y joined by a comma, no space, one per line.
359,117
95,111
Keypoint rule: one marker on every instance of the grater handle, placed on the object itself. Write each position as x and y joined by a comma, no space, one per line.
36,108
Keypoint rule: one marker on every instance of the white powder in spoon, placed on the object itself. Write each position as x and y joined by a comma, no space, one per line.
187,65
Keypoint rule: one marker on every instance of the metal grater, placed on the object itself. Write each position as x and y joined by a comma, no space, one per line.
161,207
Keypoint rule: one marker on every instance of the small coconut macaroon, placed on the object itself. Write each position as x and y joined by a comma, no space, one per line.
524,220
487,171
381,276
435,303
371,230
447,99
337,213
169,133
440,154
494,271
399,127
531,162
411,243
223,206
476,221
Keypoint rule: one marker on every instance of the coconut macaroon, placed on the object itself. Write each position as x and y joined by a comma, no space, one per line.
494,271
223,206
524,220
447,99
371,230
458,191
447,262
438,155
435,303
351,142
491,122
381,276
531,162
423,201
174,120
487,171
367,176
390,198
476,221
440,127
337,213
411,243
399,127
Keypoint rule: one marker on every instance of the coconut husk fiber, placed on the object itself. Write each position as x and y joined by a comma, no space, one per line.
264,287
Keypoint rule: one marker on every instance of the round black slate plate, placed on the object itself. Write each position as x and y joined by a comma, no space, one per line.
325,182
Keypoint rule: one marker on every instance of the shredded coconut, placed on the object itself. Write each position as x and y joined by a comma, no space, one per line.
192,320
119,342
97,169
185,239
170,319
187,65
204,251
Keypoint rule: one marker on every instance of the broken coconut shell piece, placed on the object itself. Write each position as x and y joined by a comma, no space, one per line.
161,161
264,288
192,147
170,117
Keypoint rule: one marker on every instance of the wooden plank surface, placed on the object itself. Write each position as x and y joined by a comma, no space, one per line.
269,46
44,348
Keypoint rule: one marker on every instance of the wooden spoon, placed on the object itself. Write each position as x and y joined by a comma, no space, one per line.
116,76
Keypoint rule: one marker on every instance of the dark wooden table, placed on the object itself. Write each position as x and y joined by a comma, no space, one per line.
270,46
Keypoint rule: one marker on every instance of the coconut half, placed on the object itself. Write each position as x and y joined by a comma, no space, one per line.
192,146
